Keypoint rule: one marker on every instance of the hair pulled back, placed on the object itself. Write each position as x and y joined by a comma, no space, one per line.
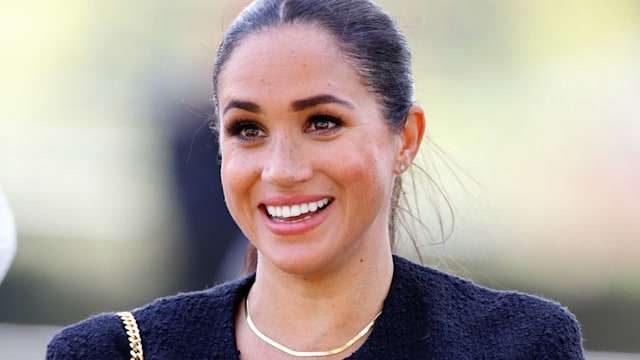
368,37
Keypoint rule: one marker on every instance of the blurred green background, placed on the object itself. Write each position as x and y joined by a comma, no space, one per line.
536,104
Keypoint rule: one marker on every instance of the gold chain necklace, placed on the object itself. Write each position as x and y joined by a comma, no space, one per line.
291,352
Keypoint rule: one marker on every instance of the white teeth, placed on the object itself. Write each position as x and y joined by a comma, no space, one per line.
296,210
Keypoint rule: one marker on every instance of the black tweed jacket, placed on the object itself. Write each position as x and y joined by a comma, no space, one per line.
428,314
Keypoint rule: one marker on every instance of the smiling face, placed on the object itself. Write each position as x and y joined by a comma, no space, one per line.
307,158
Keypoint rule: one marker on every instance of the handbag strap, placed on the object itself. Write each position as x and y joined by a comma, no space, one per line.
133,334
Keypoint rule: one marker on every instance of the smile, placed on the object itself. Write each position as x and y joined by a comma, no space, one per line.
297,212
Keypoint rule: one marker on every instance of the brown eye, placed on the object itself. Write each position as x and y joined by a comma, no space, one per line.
322,123
246,131
251,132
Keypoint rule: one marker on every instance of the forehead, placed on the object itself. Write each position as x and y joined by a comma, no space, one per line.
285,61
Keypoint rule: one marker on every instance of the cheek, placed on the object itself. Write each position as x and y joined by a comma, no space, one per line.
229,191
369,172
236,175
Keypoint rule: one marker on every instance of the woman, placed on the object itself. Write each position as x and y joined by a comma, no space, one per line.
316,121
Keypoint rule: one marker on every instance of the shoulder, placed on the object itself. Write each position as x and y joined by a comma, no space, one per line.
507,320
197,302
189,311
99,337
170,324
523,323
193,325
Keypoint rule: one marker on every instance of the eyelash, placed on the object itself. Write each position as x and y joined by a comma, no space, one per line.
314,119
237,128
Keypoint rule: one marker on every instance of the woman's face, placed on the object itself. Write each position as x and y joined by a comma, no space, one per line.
307,158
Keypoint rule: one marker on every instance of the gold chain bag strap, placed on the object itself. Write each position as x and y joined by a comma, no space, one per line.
133,333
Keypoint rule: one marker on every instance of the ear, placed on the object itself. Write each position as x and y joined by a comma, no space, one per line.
410,137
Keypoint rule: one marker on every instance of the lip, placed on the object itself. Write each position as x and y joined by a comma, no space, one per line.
300,226
293,200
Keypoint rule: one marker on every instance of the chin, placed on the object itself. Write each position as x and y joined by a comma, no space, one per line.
301,262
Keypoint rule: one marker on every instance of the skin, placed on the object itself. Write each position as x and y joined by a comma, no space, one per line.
299,126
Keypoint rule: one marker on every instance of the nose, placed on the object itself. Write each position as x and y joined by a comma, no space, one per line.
286,164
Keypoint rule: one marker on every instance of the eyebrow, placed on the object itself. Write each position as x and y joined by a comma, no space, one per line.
242,105
304,104
297,105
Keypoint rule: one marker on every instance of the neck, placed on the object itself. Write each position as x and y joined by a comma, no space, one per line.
323,310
